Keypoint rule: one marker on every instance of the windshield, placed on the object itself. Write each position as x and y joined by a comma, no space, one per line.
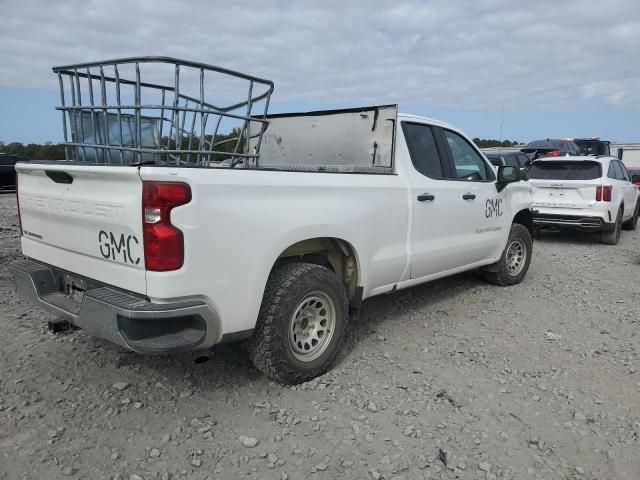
565,170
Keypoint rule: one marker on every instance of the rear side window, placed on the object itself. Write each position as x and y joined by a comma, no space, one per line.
423,149
618,169
625,173
565,170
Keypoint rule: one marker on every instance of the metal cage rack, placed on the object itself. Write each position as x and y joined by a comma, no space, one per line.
182,116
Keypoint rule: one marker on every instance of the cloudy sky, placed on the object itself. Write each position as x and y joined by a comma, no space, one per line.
558,68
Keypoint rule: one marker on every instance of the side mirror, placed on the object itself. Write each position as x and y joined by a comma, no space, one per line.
620,151
506,175
635,178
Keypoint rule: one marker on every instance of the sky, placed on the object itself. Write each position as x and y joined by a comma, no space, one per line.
557,68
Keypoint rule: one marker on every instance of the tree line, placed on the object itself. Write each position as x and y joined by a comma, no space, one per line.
56,151
488,143
36,151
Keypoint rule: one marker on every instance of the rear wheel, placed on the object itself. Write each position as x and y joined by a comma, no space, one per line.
516,257
613,237
301,323
632,223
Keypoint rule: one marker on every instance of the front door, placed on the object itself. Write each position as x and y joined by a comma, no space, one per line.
628,188
484,214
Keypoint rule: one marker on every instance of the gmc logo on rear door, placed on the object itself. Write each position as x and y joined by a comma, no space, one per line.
120,248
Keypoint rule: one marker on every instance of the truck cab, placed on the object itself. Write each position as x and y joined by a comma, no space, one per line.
593,146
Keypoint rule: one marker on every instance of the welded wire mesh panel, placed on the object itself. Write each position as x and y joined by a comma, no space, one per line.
164,111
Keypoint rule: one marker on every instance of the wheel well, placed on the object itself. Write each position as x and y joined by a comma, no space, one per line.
333,253
525,218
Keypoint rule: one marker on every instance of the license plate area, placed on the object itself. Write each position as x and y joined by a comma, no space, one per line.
74,287
556,193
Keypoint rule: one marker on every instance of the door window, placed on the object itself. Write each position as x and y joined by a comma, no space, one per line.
469,164
618,171
423,149
625,174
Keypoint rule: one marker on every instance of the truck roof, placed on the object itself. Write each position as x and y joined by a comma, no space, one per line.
431,121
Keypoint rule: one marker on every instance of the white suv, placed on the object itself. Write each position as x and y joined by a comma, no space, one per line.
584,193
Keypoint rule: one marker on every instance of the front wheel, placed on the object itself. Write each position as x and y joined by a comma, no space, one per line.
301,323
514,262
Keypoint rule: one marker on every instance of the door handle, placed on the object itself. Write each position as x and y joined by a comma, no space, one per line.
469,196
426,197
59,176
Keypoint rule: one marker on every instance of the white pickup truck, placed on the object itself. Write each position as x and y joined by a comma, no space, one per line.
166,242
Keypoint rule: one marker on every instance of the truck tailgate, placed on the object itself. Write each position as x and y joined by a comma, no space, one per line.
85,219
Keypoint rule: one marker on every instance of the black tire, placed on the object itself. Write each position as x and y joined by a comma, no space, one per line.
613,237
632,223
289,286
500,273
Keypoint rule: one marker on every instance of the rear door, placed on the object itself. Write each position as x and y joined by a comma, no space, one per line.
434,202
565,183
85,219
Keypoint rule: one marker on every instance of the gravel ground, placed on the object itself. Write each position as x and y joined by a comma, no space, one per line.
454,379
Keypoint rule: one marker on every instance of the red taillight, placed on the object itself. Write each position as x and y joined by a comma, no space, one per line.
18,203
552,153
163,243
603,194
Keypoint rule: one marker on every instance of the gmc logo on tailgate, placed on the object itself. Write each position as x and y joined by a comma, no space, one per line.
121,248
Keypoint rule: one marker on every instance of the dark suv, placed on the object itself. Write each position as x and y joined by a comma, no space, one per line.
593,146
8,170
550,148
512,158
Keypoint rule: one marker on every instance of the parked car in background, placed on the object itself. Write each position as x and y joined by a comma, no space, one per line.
8,170
593,146
634,172
584,193
510,157
550,148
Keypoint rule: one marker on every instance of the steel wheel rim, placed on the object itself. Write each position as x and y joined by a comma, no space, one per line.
312,325
516,257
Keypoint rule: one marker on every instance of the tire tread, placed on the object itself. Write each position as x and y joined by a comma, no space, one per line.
266,345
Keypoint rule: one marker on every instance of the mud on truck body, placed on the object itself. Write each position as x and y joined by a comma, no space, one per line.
181,219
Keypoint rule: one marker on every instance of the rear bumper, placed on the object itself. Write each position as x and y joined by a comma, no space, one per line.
575,222
121,317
